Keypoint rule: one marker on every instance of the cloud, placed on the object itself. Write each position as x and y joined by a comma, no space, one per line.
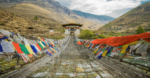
101,7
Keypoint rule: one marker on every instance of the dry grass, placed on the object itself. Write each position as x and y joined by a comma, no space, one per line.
29,10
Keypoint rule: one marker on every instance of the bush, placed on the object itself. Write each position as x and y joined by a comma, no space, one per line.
62,30
102,36
36,18
94,37
56,37
12,13
86,34
135,24
140,30
111,34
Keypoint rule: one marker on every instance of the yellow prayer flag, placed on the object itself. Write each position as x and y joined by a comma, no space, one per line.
42,44
52,49
40,39
104,53
88,46
124,47
95,51
29,49
133,43
14,48
6,40
52,42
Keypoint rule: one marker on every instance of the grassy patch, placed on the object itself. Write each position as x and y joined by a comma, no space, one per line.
145,16
12,13
135,24
61,30
87,34
36,18
2,23
107,25
56,37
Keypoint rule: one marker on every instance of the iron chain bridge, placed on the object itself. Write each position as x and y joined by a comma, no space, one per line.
67,59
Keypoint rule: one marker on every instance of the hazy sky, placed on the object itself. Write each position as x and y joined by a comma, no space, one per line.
114,8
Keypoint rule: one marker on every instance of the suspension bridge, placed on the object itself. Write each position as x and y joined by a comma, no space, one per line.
76,61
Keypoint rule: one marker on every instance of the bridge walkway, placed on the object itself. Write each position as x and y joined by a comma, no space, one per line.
72,63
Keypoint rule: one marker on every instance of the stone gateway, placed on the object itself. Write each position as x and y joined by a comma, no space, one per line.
72,29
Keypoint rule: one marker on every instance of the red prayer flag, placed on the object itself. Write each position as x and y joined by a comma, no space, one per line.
38,46
50,51
17,47
30,55
79,43
119,41
42,39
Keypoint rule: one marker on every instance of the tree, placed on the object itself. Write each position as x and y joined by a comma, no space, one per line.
140,30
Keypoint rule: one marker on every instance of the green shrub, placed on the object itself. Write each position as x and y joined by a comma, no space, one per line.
94,37
62,30
108,36
102,36
12,13
135,24
86,34
56,37
140,30
36,18
111,34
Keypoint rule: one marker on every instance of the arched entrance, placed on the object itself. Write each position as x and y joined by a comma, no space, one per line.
72,31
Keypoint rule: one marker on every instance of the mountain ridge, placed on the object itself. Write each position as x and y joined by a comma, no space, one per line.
100,18
53,10
139,16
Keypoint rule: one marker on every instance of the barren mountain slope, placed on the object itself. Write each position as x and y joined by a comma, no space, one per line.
131,20
26,25
52,10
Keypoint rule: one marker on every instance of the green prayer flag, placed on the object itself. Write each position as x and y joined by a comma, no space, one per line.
119,46
104,49
24,49
101,50
122,54
96,52
55,48
110,52
40,45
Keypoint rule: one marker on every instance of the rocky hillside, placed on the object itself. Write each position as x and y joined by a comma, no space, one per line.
49,9
25,25
96,18
139,16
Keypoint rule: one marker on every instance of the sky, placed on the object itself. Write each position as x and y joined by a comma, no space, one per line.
113,8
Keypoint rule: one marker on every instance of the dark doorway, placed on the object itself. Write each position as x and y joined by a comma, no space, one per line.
72,29
72,33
